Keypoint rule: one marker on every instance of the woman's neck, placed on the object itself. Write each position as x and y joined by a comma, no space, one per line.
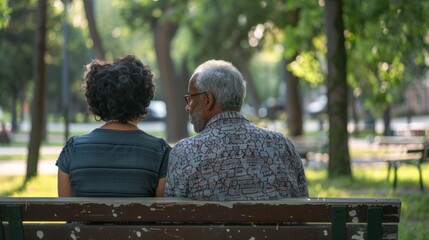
116,125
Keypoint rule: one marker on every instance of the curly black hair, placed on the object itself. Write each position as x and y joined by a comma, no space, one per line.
119,91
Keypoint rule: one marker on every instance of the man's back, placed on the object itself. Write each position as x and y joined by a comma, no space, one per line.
231,159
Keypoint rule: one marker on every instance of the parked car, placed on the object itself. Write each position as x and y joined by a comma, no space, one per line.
157,111
318,106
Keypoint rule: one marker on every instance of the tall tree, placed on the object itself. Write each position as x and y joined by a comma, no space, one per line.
39,91
339,159
93,30
291,49
16,49
164,17
299,25
164,32
293,102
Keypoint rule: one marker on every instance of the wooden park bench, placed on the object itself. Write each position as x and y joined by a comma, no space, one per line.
173,218
308,147
399,150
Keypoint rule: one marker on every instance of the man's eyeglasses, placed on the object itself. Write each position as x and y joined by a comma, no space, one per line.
188,97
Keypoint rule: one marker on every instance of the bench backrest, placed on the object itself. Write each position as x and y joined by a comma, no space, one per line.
413,144
400,140
304,145
171,218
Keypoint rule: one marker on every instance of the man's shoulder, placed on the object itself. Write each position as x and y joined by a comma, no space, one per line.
184,141
270,132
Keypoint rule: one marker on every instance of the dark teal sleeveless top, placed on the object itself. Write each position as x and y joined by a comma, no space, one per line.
114,163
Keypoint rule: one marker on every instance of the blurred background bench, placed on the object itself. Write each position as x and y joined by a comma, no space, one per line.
399,150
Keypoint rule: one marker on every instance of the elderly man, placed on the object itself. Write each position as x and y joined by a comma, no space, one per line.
230,158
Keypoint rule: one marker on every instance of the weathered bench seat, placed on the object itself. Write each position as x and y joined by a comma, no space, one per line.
172,218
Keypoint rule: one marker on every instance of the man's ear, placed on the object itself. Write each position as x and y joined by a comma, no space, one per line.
210,101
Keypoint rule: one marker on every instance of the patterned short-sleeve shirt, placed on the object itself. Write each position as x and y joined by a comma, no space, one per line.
232,159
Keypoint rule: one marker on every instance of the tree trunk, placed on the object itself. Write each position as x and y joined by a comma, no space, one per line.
14,112
95,36
386,121
174,88
355,117
339,159
293,101
39,92
250,86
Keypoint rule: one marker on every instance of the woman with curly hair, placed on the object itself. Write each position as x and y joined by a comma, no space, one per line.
117,159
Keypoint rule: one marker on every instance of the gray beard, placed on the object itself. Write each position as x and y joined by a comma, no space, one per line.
197,119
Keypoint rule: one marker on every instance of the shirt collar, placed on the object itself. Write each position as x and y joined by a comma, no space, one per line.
221,117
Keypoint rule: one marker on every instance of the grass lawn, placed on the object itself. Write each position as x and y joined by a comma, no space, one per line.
369,181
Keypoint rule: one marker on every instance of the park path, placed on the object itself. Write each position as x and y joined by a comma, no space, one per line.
18,167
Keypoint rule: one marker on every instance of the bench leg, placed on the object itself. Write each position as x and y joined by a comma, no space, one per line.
421,177
16,229
389,166
338,222
395,174
2,233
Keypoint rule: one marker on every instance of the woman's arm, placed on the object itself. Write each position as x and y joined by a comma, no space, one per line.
64,185
160,187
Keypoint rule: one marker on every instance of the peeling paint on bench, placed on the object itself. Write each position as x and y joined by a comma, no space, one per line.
171,218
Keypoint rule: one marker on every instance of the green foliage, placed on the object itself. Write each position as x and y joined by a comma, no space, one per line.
140,13
17,48
309,25
4,13
231,30
306,66
385,41
386,44
121,38
305,43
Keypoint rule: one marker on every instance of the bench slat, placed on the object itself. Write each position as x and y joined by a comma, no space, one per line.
398,140
207,232
170,218
176,210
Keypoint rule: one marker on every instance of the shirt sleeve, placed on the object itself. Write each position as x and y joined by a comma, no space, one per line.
300,172
302,184
64,159
164,163
296,168
176,181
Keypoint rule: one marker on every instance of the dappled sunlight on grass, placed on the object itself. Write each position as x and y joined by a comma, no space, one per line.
23,157
41,186
371,181
9,184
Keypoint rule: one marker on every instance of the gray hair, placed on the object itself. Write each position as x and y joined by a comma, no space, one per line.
224,81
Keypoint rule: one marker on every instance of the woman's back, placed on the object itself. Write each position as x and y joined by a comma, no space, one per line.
114,163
